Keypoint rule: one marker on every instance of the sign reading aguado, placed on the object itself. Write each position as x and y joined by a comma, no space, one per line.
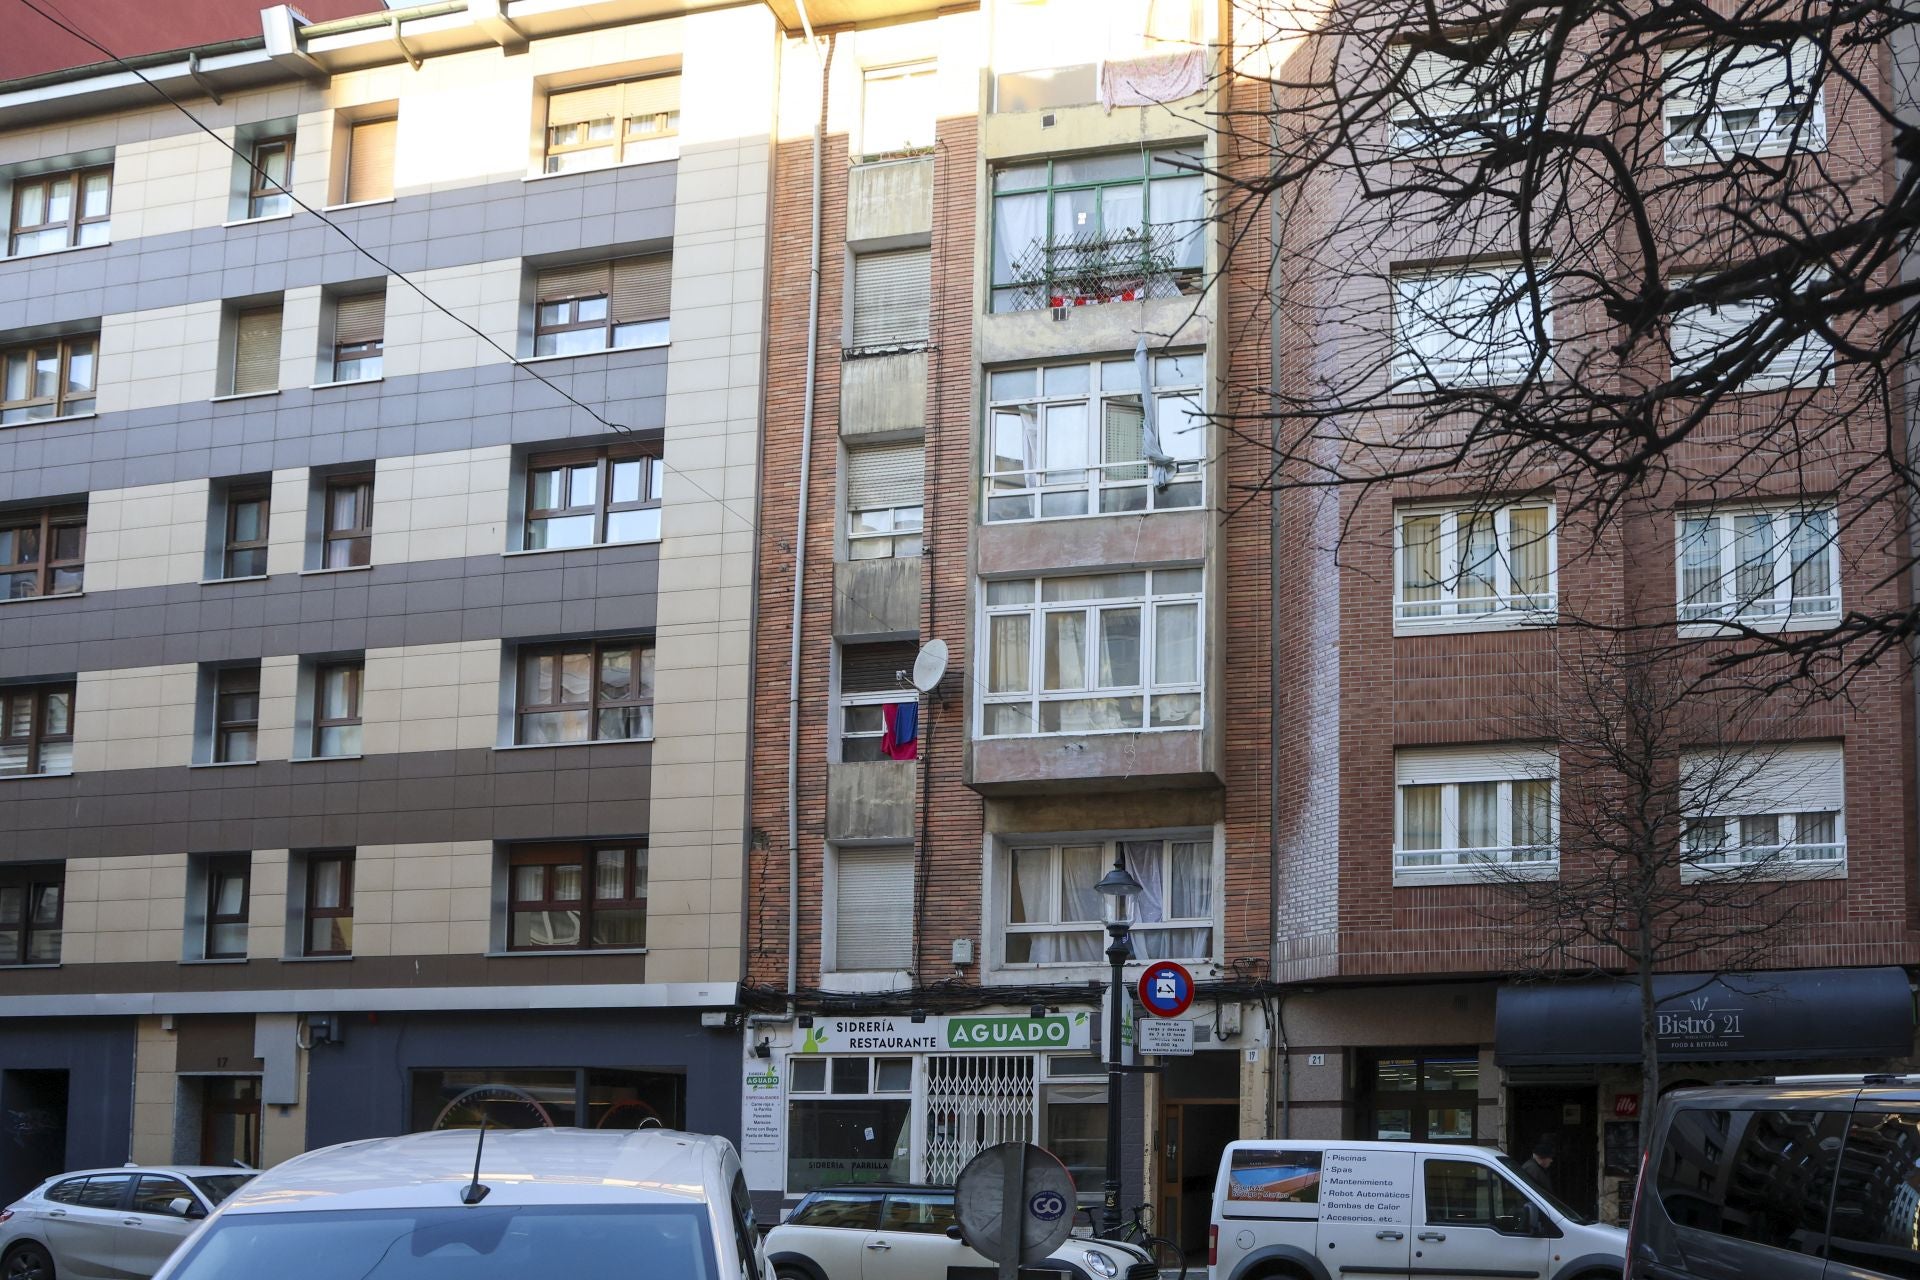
943,1034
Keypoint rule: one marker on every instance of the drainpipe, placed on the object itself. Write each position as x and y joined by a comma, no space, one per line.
1275,585
825,63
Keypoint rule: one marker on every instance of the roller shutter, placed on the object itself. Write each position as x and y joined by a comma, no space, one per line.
361,318
885,476
581,280
641,289
873,908
891,296
370,160
256,351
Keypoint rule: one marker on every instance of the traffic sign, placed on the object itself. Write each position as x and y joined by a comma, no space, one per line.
1015,1204
1166,989
1166,1037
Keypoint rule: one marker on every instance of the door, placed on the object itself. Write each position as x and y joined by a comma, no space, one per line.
83,1231
1470,1220
230,1121
154,1226
1366,1213
1193,1137
912,1242
1568,1115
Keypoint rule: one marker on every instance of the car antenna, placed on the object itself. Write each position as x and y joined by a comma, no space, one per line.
476,1191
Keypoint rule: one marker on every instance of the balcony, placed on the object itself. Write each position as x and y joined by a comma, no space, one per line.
870,800
889,203
1092,762
883,397
876,600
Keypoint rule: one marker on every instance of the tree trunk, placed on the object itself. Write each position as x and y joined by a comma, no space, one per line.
1649,1050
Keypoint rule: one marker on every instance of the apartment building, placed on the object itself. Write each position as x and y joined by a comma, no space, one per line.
377,506
997,436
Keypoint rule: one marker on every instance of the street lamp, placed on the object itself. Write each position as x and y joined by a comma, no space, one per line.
1120,885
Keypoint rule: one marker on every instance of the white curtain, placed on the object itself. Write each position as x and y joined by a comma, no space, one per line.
1032,871
1019,223
1080,869
1479,815
1177,205
1192,890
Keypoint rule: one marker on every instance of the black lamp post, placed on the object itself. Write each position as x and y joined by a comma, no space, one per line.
1120,885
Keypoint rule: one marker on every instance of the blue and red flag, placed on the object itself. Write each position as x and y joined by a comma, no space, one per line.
901,741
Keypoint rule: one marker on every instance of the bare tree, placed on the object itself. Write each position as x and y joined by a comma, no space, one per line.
1684,842
1646,253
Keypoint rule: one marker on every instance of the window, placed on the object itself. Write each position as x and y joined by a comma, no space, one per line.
1075,439
359,323
848,1120
43,553
1101,653
1074,1119
36,729
1116,227
1777,807
347,527
327,929
228,878
1421,1097
595,127
598,306
1473,566
843,1210
31,896
897,110
1466,326
1876,1207
927,1213
873,910
50,378
61,210
1056,916
590,497
885,501
156,1193
1445,106
244,552
1752,100
870,681
522,1098
1472,807
1759,567
1466,1193
892,299
236,714
270,178
370,160
256,351
590,691
577,897
1762,1176
336,708
1703,336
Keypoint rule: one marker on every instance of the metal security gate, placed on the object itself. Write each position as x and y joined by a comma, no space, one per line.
973,1101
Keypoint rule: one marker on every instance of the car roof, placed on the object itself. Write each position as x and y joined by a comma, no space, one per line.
878,1188
1370,1144
519,1166
181,1170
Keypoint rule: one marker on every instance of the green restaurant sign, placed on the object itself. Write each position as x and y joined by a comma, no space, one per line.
961,1033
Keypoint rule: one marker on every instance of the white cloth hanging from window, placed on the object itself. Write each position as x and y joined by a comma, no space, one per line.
1150,80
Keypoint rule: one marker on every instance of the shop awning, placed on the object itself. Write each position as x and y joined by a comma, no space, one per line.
1794,1015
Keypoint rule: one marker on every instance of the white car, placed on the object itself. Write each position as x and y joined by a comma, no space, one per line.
109,1224
908,1232
547,1204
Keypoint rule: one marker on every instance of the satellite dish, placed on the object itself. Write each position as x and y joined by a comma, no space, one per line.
930,667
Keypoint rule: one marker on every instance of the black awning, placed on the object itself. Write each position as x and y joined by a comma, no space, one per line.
1792,1015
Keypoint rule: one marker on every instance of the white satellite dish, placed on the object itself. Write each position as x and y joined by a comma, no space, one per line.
930,667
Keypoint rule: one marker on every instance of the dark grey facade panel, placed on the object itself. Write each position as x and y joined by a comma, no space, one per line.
417,797
553,594
431,232
486,406
92,1060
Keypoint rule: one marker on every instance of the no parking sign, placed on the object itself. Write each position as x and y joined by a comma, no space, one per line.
1166,989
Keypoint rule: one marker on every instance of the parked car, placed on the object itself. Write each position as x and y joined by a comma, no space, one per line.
570,1204
903,1231
109,1224
1797,1178
1313,1210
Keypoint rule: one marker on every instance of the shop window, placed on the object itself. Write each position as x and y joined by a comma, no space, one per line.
1422,1097
1074,1120
848,1120
1054,915
544,1098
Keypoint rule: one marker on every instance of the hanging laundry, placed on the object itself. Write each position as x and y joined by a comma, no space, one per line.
901,741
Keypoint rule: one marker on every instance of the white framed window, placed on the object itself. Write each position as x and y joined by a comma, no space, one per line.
863,725
1445,106
1072,439
870,682
1732,100
1460,810
1095,653
885,501
1759,566
873,910
1467,326
1778,807
1700,334
1053,915
608,124
897,110
1457,568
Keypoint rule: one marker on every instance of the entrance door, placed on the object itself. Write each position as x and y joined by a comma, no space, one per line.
1193,1136
1568,1113
230,1121
35,1106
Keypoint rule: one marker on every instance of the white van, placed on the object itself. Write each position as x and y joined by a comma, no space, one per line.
571,1204
1317,1210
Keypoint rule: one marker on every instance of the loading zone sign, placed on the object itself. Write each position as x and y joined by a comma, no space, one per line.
1166,989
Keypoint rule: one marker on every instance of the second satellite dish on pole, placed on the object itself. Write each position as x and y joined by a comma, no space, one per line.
930,667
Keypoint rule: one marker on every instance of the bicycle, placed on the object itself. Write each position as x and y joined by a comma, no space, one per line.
1166,1255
